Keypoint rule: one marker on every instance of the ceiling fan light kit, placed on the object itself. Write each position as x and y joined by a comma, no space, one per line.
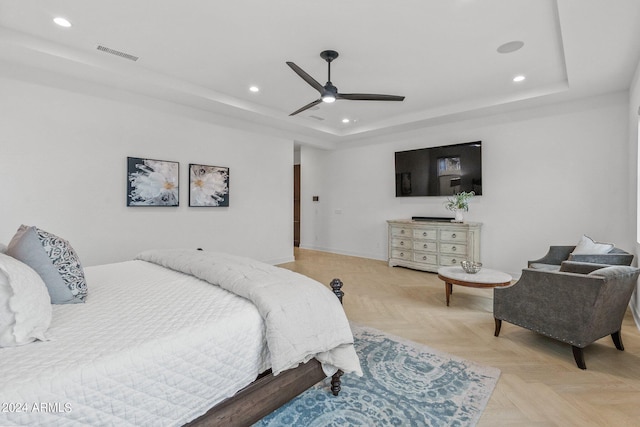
329,93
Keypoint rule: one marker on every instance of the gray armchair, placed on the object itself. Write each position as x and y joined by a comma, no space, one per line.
577,305
556,254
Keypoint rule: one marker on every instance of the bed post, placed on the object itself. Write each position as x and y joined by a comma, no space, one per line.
336,285
335,382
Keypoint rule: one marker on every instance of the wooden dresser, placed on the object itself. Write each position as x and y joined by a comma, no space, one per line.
427,245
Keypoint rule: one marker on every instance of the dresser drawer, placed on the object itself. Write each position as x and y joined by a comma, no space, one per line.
401,243
447,259
425,246
425,258
429,234
453,248
400,254
453,235
401,232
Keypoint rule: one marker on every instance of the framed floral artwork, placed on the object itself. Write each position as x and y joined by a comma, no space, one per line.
152,182
208,185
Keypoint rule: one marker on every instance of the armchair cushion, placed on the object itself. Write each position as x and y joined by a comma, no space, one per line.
580,267
545,267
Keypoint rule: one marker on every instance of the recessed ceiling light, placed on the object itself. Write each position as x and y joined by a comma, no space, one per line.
345,120
519,78
62,21
254,89
510,46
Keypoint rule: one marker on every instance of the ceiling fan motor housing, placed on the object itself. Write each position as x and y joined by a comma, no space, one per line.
331,88
328,92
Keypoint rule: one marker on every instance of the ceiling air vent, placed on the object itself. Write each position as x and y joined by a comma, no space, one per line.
316,117
118,53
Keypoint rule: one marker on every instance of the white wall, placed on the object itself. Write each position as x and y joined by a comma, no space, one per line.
549,175
63,169
634,177
312,183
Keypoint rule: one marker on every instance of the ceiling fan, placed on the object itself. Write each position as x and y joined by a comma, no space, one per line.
328,92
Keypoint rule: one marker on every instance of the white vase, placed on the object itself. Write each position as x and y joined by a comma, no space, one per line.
459,216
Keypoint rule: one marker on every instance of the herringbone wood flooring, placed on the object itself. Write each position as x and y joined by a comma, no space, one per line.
540,384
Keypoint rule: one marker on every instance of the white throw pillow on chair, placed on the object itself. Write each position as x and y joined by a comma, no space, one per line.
586,246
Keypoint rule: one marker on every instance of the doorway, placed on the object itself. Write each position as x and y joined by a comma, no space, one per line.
296,206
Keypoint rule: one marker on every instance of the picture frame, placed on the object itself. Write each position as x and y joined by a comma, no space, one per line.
208,186
152,182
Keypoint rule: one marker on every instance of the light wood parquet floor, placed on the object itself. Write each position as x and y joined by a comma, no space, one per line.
540,385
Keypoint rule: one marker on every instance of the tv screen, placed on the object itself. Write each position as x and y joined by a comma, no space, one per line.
439,171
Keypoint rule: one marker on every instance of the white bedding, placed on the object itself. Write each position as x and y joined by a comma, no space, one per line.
114,361
303,319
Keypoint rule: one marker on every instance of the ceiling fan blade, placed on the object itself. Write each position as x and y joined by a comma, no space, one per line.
306,77
369,97
306,107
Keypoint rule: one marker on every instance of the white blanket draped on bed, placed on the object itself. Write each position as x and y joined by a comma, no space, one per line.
303,318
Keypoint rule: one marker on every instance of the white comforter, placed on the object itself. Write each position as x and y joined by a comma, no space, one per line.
150,347
303,318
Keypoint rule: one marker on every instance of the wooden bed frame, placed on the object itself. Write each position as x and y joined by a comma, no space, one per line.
268,392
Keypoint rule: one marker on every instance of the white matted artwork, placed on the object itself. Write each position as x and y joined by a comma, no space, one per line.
208,185
152,182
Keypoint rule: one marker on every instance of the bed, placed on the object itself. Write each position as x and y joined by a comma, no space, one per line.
177,337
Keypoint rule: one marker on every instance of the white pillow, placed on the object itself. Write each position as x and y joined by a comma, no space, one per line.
25,305
586,246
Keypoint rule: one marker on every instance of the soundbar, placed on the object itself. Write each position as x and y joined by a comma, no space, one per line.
431,218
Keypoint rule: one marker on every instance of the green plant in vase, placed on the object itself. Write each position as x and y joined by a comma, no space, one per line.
459,203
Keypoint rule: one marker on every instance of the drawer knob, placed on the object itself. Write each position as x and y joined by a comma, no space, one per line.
401,254
454,261
424,233
402,243
453,248
401,231
424,246
453,236
424,258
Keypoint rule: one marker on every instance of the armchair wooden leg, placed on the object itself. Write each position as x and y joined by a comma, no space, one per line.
617,340
578,355
498,326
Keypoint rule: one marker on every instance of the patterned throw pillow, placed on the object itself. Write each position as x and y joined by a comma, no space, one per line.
54,260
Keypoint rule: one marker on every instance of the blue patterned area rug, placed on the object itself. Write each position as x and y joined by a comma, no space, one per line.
404,384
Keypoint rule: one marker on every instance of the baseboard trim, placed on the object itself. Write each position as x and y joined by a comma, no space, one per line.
340,252
277,261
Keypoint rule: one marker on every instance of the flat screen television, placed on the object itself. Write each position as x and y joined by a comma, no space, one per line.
439,171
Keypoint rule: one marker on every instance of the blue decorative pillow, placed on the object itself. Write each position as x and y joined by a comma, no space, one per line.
54,260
